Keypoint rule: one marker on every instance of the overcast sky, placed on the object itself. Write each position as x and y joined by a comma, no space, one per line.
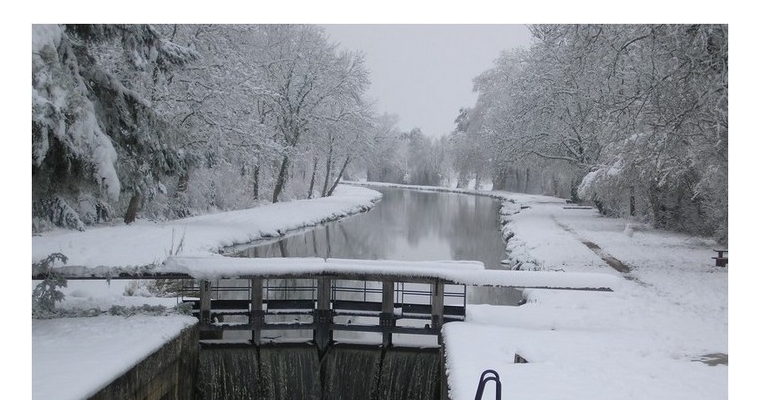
423,73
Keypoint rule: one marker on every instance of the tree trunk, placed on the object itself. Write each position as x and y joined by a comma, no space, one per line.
134,204
337,178
182,182
313,177
461,181
328,168
256,170
527,179
519,183
281,178
500,179
657,205
633,202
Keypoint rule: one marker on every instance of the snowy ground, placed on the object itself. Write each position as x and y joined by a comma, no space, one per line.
643,341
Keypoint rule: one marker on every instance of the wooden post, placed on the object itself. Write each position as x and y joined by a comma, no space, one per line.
387,317
323,315
256,317
436,307
205,294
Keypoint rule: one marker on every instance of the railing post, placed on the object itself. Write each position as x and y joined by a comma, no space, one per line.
205,294
387,317
323,318
436,306
256,317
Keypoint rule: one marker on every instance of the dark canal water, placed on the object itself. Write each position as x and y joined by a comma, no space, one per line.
407,225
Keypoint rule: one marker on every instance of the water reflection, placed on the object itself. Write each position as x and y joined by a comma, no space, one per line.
408,225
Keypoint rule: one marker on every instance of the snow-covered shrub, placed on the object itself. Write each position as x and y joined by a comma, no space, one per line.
57,211
137,288
145,309
222,187
94,211
46,293
74,312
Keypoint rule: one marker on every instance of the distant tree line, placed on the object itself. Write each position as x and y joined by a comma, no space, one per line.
631,117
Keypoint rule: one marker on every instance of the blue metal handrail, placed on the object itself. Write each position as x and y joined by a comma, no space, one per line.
482,384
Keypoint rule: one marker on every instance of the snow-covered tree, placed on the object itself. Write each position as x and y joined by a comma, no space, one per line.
633,116
116,127
383,162
302,77
94,135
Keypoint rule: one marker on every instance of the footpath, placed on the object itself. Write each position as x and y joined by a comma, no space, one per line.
662,335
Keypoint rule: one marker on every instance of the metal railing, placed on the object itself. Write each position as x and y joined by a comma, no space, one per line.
488,376
313,303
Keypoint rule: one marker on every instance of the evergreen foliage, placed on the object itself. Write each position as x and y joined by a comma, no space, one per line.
46,293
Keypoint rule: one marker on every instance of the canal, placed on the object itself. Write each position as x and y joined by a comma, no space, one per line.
404,225
408,225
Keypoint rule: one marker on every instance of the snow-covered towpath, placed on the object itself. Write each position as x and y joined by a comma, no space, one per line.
648,340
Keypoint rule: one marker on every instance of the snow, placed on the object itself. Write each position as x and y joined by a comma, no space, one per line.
44,35
647,339
147,242
210,268
457,272
73,358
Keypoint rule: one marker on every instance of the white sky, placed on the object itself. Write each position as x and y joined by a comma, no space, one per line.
423,73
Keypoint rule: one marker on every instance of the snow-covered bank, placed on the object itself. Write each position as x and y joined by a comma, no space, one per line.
73,358
145,242
643,341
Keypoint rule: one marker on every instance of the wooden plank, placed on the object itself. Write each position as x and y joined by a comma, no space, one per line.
276,304
357,305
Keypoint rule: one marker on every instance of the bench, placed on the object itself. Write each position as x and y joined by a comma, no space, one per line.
721,260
